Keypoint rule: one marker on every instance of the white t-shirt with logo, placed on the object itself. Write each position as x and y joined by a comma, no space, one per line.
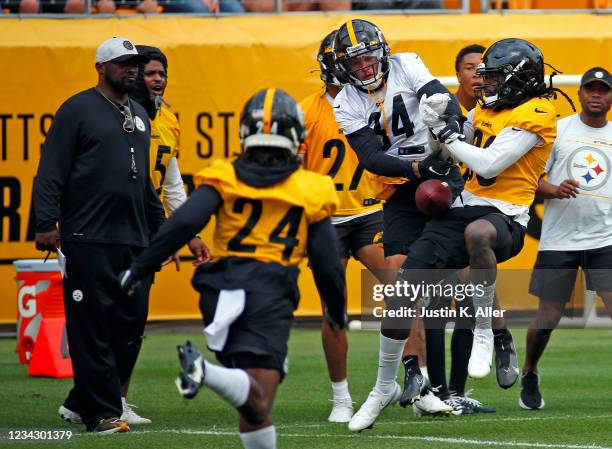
584,154
393,110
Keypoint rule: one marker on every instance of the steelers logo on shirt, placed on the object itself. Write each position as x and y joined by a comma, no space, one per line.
140,124
590,167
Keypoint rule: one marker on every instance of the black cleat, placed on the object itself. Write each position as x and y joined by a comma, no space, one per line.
531,398
472,405
506,361
191,376
414,382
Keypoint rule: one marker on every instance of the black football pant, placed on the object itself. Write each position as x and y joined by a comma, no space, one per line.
105,327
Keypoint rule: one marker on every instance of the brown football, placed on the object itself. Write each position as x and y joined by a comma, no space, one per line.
433,197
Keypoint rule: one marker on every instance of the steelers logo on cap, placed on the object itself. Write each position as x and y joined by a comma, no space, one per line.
598,74
128,45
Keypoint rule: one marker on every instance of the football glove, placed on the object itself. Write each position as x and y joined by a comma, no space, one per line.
450,130
127,283
433,168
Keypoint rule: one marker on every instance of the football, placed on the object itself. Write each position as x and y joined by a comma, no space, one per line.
433,197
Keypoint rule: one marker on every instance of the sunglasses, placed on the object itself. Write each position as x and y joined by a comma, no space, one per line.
129,126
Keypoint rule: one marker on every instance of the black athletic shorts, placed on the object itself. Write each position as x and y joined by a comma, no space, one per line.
403,222
258,338
442,243
554,273
358,232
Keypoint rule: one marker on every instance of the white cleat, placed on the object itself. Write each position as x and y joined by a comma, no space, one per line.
431,405
69,415
130,416
342,410
371,408
479,365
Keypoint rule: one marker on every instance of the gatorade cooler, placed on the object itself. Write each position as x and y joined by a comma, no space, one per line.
41,323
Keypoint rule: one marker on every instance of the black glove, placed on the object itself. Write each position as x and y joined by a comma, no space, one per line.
433,168
452,131
127,283
337,318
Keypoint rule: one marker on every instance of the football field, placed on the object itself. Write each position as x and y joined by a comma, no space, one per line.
576,384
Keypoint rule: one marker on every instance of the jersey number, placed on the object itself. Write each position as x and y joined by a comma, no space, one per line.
469,174
291,221
340,153
161,150
400,122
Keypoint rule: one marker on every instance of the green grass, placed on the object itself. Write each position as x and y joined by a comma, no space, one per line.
576,383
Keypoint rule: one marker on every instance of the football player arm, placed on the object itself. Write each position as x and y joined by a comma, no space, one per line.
327,271
372,156
179,229
509,146
174,191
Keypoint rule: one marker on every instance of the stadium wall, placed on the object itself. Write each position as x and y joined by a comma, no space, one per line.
214,65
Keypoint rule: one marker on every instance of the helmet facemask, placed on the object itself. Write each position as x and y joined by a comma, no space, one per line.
364,68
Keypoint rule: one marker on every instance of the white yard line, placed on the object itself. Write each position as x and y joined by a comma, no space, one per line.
461,441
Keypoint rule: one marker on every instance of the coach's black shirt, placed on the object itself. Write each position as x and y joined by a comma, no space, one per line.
85,178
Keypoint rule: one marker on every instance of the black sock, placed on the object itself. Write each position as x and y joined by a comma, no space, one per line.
435,359
501,333
410,361
461,347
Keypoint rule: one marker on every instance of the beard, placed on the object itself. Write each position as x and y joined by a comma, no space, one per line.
119,85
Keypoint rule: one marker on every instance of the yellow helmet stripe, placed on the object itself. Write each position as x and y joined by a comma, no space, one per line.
267,110
351,32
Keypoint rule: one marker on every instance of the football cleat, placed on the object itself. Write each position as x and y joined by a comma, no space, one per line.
479,365
472,405
456,403
342,410
371,408
429,404
506,361
414,382
191,377
531,398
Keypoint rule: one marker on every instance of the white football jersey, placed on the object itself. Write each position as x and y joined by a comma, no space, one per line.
584,154
392,111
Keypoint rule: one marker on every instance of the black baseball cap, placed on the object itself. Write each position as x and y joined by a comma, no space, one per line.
596,74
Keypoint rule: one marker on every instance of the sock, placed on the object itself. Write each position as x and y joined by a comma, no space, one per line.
435,358
461,348
500,333
259,439
483,305
425,374
389,358
340,390
232,384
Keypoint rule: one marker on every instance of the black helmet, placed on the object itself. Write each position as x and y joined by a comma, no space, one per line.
358,38
327,61
271,118
512,72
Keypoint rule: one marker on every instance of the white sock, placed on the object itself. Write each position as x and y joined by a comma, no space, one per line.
389,359
484,304
425,374
259,439
340,390
232,384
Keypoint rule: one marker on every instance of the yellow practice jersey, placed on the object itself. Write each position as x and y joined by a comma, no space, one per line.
165,137
269,224
327,151
463,168
516,184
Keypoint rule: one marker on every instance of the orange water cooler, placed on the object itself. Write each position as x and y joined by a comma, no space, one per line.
41,323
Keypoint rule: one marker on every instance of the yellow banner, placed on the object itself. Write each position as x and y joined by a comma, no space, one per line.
214,66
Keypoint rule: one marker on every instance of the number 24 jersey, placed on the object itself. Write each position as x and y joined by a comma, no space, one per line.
269,224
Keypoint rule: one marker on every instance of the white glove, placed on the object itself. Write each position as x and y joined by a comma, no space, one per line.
431,108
